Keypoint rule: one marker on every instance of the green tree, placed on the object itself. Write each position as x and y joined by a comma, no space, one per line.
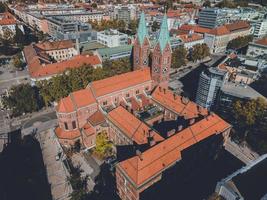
133,26
78,183
3,7
103,147
22,98
239,42
179,57
94,5
199,52
19,36
207,4
17,62
7,37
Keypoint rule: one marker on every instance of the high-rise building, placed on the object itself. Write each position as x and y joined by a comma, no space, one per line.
210,82
260,28
211,18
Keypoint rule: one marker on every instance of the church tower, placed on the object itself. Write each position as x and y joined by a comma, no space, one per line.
161,59
141,45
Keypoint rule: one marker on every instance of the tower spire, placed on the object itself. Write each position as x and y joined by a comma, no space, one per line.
164,37
142,31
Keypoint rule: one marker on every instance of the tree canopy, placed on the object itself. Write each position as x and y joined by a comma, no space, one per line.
78,78
179,57
103,147
199,52
3,7
22,98
239,42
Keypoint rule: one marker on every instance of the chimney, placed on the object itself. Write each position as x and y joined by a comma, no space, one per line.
151,133
139,154
180,127
185,100
159,88
132,111
152,142
174,96
164,90
170,133
192,121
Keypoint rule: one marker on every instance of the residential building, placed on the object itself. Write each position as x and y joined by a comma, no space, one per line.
238,185
211,18
218,38
257,48
112,38
8,22
210,83
42,66
191,39
260,29
62,29
113,105
125,13
59,50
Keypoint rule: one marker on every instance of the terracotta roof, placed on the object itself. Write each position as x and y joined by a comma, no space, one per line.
96,118
88,130
120,82
262,41
195,28
161,156
237,26
181,106
76,100
221,30
37,70
48,46
7,18
68,135
190,37
132,127
174,13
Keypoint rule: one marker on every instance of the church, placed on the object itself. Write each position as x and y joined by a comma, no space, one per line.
140,115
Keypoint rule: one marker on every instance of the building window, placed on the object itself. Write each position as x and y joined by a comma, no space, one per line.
127,95
137,92
147,88
66,126
73,124
105,103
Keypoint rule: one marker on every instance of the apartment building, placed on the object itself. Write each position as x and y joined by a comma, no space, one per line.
8,22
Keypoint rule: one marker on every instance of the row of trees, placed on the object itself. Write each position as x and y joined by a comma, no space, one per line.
232,4
181,55
115,24
75,79
250,123
239,42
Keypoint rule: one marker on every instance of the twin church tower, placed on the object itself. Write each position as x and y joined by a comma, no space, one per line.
161,54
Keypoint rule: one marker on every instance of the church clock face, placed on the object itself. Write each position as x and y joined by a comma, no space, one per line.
164,70
145,61
155,69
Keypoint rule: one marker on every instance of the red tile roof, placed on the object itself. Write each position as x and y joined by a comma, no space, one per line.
88,130
68,135
119,82
49,46
132,127
7,18
190,37
39,70
181,106
262,41
195,28
161,156
237,26
76,100
221,30
96,118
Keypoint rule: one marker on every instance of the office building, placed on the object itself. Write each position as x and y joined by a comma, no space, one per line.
211,18
61,29
112,38
260,28
210,82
